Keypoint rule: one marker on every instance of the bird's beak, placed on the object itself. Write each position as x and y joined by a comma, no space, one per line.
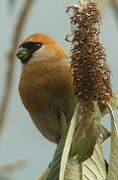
22,53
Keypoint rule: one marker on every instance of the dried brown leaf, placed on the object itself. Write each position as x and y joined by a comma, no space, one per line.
113,163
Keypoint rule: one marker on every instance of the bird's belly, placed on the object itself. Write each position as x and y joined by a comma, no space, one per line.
48,123
45,109
47,93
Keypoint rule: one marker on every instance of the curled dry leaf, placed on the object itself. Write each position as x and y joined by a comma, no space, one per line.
93,168
68,143
113,102
44,175
113,162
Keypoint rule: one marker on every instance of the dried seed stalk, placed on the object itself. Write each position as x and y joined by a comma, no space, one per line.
91,74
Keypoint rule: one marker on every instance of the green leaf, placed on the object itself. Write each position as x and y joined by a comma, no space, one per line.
55,164
60,159
92,131
87,143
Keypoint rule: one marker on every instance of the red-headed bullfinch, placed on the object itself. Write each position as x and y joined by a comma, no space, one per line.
46,84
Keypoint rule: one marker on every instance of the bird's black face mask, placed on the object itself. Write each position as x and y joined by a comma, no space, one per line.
26,50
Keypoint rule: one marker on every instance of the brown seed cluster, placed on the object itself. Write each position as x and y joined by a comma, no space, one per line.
91,74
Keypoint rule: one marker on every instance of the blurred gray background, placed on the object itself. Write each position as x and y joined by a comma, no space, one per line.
20,138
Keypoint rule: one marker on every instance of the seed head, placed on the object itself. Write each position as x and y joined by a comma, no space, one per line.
91,74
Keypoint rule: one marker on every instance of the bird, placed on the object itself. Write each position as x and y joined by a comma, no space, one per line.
46,84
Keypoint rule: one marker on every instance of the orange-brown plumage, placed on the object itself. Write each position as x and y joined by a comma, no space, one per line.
46,86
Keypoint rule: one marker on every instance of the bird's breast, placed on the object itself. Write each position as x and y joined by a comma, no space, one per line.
45,90
44,82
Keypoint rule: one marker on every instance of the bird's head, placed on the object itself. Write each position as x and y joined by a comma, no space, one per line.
38,47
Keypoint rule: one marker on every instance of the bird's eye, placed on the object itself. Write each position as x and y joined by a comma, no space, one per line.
26,50
22,53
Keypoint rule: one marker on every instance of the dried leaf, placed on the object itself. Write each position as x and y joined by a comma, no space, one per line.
44,175
113,163
95,162
72,170
68,143
93,168
62,152
105,134
113,102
